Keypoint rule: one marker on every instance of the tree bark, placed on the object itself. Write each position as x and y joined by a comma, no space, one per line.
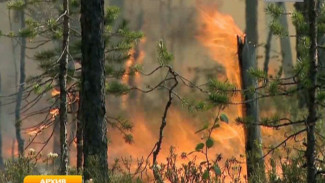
93,91
251,21
19,138
286,53
267,52
1,158
312,113
254,154
63,91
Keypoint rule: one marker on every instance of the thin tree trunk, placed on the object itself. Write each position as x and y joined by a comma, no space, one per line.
254,154
312,73
63,91
267,51
18,121
251,21
1,158
93,91
285,44
14,45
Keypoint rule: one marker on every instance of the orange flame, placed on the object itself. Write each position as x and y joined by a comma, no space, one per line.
38,130
55,92
218,33
134,59
54,112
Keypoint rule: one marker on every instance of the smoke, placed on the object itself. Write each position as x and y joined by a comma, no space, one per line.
199,36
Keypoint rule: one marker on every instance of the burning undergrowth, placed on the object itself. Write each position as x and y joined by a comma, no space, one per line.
218,33
181,128
181,155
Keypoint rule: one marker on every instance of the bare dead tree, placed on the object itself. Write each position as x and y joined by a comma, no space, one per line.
247,61
163,124
63,90
18,121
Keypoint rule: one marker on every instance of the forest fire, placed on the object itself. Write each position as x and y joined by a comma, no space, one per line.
229,138
55,92
36,131
218,33
170,91
137,55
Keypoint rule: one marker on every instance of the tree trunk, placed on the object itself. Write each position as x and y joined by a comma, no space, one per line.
254,154
19,138
63,91
312,113
267,52
92,104
286,53
251,21
14,44
1,159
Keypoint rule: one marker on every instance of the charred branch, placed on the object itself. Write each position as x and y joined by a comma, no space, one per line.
162,126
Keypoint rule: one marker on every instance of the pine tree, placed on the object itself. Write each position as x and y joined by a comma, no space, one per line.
311,104
306,79
92,96
63,90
